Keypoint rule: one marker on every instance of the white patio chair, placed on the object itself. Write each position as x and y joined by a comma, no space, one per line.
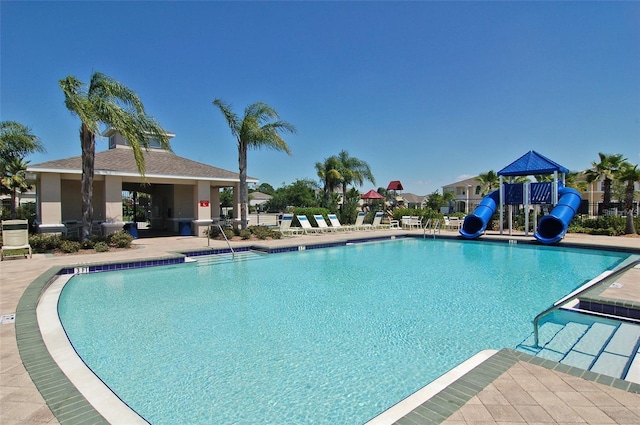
15,236
285,225
306,226
335,223
322,224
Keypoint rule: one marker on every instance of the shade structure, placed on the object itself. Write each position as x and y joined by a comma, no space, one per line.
395,185
372,194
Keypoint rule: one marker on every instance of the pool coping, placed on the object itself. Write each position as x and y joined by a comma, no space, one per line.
68,404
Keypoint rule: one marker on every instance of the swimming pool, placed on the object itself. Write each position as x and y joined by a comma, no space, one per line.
334,335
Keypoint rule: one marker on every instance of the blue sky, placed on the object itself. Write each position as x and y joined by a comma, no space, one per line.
428,93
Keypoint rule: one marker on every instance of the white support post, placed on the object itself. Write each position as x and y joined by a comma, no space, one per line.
554,191
501,204
526,208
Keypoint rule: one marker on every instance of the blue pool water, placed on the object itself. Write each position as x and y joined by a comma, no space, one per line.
326,336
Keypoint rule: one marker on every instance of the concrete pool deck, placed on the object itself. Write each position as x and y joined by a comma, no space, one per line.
584,400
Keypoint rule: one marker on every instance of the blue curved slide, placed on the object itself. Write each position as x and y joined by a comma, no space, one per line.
475,223
553,226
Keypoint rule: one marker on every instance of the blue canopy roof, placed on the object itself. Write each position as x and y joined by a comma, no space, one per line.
532,163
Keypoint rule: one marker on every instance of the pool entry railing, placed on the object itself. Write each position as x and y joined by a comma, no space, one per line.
575,294
433,226
224,235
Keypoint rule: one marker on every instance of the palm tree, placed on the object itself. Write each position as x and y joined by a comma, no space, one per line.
630,174
354,171
106,102
330,175
572,179
607,169
16,140
260,127
14,178
488,181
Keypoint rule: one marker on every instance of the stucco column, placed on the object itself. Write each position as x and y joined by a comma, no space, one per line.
202,207
236,201
50,199
113,199
215,203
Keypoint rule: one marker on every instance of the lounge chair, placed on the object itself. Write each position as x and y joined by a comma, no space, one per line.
377,221
285,225
322,225
15,236
359,224
306,226
335,223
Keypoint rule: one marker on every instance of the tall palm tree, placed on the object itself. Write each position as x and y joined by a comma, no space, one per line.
330,175
488,181
106,102
354,171
17,141
260,127
573,180
14,179
607,169
630,174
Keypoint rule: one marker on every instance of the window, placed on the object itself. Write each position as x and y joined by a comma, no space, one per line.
112,142
154,142
477,190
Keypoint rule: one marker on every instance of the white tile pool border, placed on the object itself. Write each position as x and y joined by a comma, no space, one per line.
409,404
99,395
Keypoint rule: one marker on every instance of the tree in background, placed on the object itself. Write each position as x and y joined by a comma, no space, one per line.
605,169
353,171
488,181
260,127
16,142
301,193
331,177
107,103
14,179
629,174
265,188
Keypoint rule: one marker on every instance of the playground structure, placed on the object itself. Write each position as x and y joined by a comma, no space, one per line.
552,226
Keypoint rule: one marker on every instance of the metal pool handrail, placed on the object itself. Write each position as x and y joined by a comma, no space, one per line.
233,254
580,291
433,225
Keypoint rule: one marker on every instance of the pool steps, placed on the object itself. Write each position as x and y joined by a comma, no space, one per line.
205,260
611,348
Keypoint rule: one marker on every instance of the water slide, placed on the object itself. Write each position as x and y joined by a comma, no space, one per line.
475,223
553,226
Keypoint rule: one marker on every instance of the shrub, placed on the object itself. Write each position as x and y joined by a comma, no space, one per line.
101,247
263,232
229,233
70,246
120,239
245,234
88,244
213,232
42,242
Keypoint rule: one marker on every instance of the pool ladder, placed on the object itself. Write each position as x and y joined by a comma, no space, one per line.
433,226
575,294
233,254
